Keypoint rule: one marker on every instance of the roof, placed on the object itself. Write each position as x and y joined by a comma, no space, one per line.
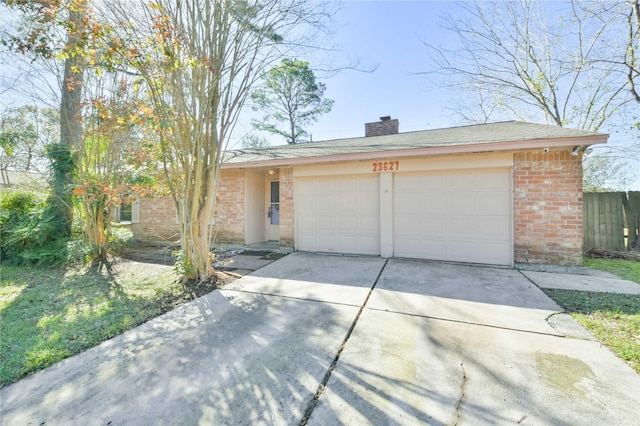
508,135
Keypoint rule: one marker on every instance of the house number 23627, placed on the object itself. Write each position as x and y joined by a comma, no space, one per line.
386,166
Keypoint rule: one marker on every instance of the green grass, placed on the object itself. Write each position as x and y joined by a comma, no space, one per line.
50,314
614,319
625,269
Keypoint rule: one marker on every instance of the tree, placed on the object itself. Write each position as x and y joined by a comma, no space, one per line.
568,64
24,133
114,165
199,60
290,97
40,36
254,141
523,60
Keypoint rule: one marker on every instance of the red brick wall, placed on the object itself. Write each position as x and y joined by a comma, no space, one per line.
157,220
548,207
229,214
286,207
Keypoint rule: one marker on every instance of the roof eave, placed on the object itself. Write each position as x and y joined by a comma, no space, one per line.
518,145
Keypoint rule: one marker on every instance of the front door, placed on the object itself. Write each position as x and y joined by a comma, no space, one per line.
273,210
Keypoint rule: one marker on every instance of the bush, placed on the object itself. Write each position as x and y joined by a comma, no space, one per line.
29,232
121,238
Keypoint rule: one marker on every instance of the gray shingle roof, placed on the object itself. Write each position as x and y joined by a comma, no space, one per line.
503,132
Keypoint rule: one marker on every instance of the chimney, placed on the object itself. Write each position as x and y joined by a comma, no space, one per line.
386,126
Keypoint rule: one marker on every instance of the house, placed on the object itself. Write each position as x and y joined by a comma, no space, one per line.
493,193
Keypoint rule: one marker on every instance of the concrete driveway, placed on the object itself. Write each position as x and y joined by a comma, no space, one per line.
344,340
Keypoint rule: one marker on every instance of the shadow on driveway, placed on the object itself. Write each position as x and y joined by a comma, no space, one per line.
422,351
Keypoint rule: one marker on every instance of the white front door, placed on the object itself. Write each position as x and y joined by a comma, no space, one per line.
272,226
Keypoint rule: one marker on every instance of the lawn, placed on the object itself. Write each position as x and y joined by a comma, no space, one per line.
614,319
50,314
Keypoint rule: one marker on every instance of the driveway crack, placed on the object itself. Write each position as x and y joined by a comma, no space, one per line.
462,396
323,384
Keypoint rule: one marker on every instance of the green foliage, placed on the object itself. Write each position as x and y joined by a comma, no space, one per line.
254,141
291,98
29,233
63,164
120,239
182,266
24,133
80,251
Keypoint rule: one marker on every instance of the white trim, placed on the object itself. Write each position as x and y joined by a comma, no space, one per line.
386,214
135,211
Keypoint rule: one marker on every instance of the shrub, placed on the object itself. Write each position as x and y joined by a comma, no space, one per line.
29,232
120,239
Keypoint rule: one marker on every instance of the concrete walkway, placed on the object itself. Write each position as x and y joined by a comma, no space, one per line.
343,340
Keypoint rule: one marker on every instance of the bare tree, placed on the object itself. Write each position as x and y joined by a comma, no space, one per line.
525,56
199,61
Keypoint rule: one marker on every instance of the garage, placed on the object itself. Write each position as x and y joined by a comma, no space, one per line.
462,216
338,214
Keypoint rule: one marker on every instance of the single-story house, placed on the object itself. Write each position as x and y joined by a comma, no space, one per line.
493,193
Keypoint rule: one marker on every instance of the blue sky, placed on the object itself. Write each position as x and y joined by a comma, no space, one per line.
386,34
389,35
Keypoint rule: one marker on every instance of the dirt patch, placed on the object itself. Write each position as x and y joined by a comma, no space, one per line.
194,289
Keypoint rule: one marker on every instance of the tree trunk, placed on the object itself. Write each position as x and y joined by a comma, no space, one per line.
70,124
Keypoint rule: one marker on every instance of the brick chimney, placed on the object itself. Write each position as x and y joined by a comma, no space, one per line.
386,126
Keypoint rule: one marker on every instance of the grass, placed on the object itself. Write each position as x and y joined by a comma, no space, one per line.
614,319
50,314
625,269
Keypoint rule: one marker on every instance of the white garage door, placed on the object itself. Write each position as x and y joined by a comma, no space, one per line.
338,214
458,216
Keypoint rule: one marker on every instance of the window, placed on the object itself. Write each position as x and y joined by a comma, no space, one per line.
274,206
126,213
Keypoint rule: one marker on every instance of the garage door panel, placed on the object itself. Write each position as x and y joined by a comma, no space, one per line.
406,201
461,201
369,225
460,181
433,227
492,227
345,224
496,180
460,216
368,203
492,203
345,213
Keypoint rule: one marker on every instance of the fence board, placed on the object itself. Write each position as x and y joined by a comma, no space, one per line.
632,213
603,220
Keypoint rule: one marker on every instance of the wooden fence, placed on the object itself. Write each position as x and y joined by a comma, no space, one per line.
606,216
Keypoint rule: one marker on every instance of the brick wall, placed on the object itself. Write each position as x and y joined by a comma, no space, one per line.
286,207
386,126
157,220
229,214
548,207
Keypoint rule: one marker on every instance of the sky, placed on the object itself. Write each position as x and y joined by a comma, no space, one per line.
386,35
389,35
